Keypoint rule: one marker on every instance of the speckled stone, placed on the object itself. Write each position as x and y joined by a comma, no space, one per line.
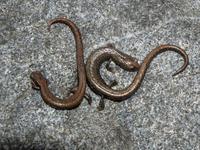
163,114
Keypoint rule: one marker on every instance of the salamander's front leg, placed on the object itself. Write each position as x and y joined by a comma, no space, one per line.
109,68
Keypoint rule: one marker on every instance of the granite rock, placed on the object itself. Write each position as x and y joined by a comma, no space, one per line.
163,114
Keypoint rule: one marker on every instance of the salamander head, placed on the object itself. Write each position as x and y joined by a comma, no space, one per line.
132,63
37,80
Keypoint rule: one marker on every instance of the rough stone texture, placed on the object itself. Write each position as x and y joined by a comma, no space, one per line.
163,114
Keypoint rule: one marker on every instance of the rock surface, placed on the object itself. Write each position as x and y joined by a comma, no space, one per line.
163,114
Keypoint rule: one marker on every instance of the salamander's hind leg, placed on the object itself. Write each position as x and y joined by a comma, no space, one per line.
101,105
88,98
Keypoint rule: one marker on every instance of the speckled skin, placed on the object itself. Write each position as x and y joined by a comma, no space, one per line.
40,83
167,116
99,56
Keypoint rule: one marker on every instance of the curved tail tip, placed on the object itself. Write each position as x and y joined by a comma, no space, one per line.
176,73
180,70
186,63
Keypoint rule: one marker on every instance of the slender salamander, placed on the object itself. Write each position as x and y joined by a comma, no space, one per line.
39,82
103,54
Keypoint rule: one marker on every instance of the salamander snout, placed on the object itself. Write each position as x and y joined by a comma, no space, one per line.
131,63
37,79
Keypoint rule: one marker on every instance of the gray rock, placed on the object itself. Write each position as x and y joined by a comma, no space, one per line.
163,114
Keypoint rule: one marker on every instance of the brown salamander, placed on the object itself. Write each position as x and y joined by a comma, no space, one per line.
39,82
